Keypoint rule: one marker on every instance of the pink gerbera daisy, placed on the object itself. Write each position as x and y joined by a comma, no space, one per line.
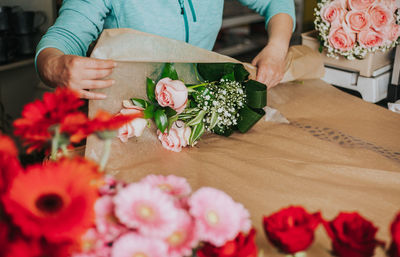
107,224
147,209
93,245
173,185
245,224
183,239
110,186
218,217
134,245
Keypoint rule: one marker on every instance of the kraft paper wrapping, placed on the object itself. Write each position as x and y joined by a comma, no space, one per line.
338,153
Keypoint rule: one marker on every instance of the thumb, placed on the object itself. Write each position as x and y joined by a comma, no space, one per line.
255,61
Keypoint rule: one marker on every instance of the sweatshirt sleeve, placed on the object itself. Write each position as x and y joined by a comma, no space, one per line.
269,8
79,23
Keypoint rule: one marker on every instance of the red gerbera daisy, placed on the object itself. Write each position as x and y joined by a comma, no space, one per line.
55,200
76,126
9,163
104,122
21,247
40,115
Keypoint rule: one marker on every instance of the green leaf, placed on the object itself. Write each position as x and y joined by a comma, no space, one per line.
139,102
229,76
196,120
248,118
171,121
321,48
256,94
169,72
241,74
197,132
216,71
149,111
151,86
161,120
226,133
214,119
169,111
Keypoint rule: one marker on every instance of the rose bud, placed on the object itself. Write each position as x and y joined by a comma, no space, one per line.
291,229
172,93
241,246
394,250
352,235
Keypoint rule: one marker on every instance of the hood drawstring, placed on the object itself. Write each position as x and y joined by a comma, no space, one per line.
185,18
192,10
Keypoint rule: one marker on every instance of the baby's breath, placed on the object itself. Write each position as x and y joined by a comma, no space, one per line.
224,98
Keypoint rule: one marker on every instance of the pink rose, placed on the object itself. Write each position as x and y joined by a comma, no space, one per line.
333,13
172,93
381,16
343,4
370,38
176,138
393,5
357,20
133,128
360,4
392,32
341,39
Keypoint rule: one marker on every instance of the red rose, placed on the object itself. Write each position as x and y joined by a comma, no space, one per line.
352,235
291,229
394,250
241,246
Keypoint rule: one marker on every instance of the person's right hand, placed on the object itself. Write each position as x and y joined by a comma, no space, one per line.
75,72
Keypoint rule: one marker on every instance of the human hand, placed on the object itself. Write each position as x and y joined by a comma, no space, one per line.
75,72
271,65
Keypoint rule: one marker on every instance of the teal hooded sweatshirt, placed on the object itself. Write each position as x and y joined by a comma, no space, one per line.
196,22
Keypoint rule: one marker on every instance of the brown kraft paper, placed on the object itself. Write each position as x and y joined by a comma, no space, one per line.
338,153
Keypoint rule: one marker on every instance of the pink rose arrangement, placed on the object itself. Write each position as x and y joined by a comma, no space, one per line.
158,217
353,28
224,100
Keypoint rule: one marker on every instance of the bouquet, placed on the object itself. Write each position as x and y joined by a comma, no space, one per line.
353,28
222,101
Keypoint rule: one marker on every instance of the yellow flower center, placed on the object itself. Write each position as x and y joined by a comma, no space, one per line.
139,255
165,187
146,212
176,238
87,245
212,218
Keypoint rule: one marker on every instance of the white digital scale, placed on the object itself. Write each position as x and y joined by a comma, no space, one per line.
372,89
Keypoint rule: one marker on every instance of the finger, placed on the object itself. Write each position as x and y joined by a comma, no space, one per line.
255,61
262,75
91,95
92,84
96,74
92,63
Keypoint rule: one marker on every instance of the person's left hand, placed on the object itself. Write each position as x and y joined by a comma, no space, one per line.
271,65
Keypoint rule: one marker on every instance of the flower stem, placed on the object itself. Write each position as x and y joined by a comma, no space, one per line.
202,85
64,149
55,144
106,153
